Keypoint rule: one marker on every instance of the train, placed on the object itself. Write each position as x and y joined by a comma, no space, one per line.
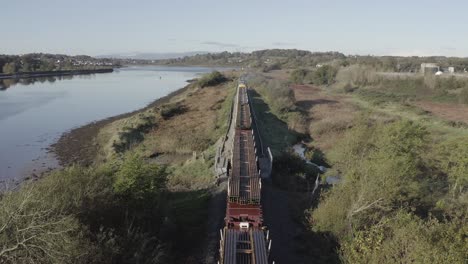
244,238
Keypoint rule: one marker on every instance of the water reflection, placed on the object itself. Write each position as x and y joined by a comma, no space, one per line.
8,83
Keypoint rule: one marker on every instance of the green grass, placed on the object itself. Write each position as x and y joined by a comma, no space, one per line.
194,174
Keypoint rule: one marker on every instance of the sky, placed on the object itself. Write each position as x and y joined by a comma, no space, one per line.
99,27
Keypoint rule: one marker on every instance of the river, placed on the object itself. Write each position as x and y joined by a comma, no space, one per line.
34,114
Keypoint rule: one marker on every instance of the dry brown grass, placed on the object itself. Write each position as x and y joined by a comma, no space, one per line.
328,115
193,130
172,138
448,111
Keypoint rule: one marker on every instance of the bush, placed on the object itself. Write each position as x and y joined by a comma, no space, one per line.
42,222
169,110
299,76
139,181
383,208
211,79
271,67
325,75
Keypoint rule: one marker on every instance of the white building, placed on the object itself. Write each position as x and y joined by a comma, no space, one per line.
429,68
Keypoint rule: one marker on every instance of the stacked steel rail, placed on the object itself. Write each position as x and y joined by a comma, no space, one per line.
244,239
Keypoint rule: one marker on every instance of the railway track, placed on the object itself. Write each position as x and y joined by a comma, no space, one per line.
244,239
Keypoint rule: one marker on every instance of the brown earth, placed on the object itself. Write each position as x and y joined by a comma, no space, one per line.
452,112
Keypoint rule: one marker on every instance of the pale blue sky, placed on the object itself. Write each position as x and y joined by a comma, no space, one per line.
97,27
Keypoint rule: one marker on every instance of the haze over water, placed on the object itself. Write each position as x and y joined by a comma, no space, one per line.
34,116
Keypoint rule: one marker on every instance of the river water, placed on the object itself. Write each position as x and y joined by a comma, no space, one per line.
34,114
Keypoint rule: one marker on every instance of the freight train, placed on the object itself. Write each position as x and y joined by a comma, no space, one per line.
244,239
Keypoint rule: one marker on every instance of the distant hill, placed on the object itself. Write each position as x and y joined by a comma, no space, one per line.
151,56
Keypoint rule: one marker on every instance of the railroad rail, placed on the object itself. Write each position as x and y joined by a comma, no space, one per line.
244,239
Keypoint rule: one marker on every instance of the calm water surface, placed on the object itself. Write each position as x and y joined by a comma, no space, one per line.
33,116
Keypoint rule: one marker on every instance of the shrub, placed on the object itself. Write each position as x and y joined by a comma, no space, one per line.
325,75
271,67
298,76
138,180
211,79
169,110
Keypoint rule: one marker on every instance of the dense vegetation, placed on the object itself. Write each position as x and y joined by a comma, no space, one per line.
402,195
49,62
400,199
108,214
324,75
211,79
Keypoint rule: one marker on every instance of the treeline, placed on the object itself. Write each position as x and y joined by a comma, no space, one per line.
401,198
293,58
10,64
282,58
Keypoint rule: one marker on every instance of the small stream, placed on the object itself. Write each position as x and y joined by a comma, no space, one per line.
300,149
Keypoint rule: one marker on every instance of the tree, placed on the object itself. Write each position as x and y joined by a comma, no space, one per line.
298,76
381,167
325,75
140,181
10,68
35,226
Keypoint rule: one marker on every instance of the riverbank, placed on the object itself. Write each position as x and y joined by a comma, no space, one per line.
24,75
183,142
79,145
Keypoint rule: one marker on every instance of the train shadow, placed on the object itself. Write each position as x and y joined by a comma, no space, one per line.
274,132
193,223
286,197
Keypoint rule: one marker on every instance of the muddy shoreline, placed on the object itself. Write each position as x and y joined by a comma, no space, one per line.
78,146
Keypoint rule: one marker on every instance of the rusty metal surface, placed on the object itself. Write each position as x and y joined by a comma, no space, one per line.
244,247
243,239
